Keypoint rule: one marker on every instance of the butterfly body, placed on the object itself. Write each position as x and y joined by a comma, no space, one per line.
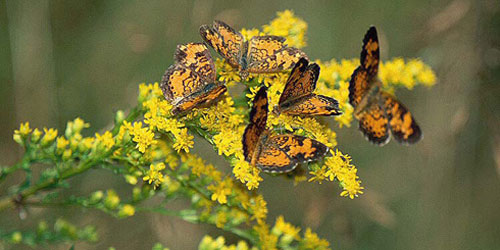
378,111
275,153
371,97
191,81
298,97
259,54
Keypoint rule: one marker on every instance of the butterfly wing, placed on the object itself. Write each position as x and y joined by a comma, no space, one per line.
363,77
403,126
297,149
282,60
196,57
179,82
272,159
370,55
210,93
225,40
262,47
301,82
312,104
374,124
258,119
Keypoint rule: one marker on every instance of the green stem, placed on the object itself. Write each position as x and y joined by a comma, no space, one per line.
4,171
9,201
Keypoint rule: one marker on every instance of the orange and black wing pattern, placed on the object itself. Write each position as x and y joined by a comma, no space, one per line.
312,105
273,159
196,57
297,149
374,124
225,40
403,126
301,82
203,98
262,47
297,97
282,60
257,126
279,153
190,82
267,54
365,74
179,82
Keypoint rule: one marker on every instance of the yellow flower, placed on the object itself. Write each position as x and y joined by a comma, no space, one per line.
62,143
86,144
149,91
286,228
126,210
154,175
142,136
312,241
318,175
105,139
339,166
227,73
268,241
259,209
131,179
246,173
35,136
220,219
183,141
288,26
112,199
247,34
208,243
50,135
24,129
67,154
75,127
221,190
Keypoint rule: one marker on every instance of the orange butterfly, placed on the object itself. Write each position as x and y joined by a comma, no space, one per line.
377,110
275,153
191,81
298,98
261,54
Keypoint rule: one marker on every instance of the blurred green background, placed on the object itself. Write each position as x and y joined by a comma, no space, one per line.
63,59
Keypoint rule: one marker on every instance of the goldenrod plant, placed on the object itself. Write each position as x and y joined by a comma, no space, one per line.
151,150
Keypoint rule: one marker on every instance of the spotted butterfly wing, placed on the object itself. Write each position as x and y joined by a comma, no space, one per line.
297,149
225,40
257,126
403,126
363,77
191,81
298,98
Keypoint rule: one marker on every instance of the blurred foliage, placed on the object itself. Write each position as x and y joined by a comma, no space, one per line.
87,57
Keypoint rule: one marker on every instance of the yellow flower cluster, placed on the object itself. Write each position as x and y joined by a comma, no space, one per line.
397,72
289,26
158,118
154,174
230,203
209,243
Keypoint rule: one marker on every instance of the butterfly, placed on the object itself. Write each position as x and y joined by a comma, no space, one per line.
275,153
260,54
378,111
298,98
191,81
